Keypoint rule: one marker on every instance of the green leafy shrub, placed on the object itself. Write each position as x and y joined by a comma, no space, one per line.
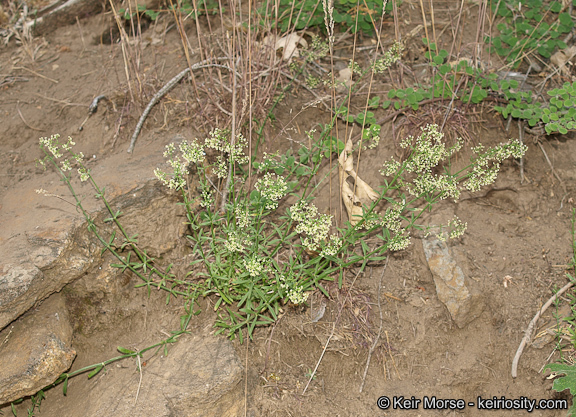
557,116
531,25
310,13
184,6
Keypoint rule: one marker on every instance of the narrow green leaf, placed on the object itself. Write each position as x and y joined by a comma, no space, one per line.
95,371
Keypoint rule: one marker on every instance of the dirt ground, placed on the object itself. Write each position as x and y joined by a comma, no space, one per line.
516,248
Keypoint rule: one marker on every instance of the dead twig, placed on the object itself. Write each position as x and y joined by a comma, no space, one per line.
530,328
331,334
37,74
164,90
246,379
25,122
521,137
552,167
379,330
140,381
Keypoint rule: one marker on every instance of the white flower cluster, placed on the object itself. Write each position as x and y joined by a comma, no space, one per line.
195,153
390,167
297,296
206,197
294,292
332,247
391,219
399,242
400,238
219,140
390,57
456,229
428,150
177,180
486,165
242,216
53,145
221,167
354,67
313,226
192,152
236,242
272,188
254,266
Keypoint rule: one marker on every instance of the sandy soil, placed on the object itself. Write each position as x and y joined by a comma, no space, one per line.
516,248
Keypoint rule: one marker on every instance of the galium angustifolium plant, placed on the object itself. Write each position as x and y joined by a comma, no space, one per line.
243,252
252,258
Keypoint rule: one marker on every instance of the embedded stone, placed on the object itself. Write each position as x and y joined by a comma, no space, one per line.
452,287
35,350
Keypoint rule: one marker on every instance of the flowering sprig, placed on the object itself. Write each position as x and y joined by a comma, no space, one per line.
52,146
272,188
487,164
429,151
219,140
312,226
391,56
294,290
193,154
254,266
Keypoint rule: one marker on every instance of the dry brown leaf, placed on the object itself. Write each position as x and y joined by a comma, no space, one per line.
364,192
346,161
561,58
290,45
352,204
345,78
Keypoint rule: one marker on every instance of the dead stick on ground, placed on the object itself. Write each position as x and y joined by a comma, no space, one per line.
169,86
379,330
140,382
246,377
528,333
25,122
552,167
331,334
521,137
37,74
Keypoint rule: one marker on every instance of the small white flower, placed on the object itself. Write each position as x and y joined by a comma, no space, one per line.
84,174
254,266
313,227
236,243
272,188
192,152
242,216
66,165
332,247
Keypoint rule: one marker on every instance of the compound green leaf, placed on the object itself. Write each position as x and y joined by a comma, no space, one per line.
565,19
565,382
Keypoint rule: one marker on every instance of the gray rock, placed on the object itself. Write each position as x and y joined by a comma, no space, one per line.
452,287
35,350
199,377
43,260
